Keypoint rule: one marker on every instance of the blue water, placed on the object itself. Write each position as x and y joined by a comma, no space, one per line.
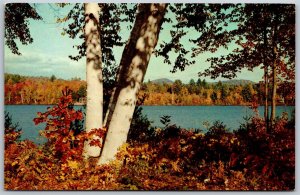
24,115
193,117
189,117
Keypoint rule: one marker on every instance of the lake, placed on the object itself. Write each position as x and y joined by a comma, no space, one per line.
188,117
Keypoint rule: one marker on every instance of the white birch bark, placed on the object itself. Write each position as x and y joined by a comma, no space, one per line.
94,104
133,66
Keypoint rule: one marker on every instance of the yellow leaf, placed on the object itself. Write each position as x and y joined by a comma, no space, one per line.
124,147
175,166
62,177
73,164
144,156
38,170
133,187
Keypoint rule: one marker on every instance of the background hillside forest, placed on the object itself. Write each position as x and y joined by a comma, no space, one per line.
47,90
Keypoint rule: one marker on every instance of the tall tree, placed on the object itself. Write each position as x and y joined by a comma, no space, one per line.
250,35
108,23
266,73
274,66
283,48
249,26
133,66
135,59
94,103
224,92
246,93
176,86
110,19
264,37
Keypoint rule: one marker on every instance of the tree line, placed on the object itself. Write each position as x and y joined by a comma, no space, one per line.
47,90
201,92
40,90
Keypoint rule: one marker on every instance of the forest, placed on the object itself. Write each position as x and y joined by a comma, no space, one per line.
110,144
42,90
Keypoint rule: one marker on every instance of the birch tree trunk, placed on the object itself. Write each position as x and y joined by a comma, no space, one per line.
94,104
133,66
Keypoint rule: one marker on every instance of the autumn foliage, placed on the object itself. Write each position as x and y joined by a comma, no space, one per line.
34,90
64,129
40,90
170,158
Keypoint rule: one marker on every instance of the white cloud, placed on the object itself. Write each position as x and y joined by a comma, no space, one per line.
39,64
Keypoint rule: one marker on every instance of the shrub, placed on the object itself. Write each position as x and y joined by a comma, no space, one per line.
217,130
64,129
140,128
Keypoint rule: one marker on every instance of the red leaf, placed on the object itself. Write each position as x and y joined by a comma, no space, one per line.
265,169
95,142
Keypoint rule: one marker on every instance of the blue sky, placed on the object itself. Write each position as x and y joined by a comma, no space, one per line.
48,54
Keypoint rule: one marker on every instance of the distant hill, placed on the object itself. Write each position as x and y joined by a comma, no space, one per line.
20,77
237,82
228,82
162,80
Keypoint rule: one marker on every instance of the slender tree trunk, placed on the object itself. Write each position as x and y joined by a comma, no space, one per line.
274,87
172,95
94,104
266,80
22,98
133,66
266,90
274,67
